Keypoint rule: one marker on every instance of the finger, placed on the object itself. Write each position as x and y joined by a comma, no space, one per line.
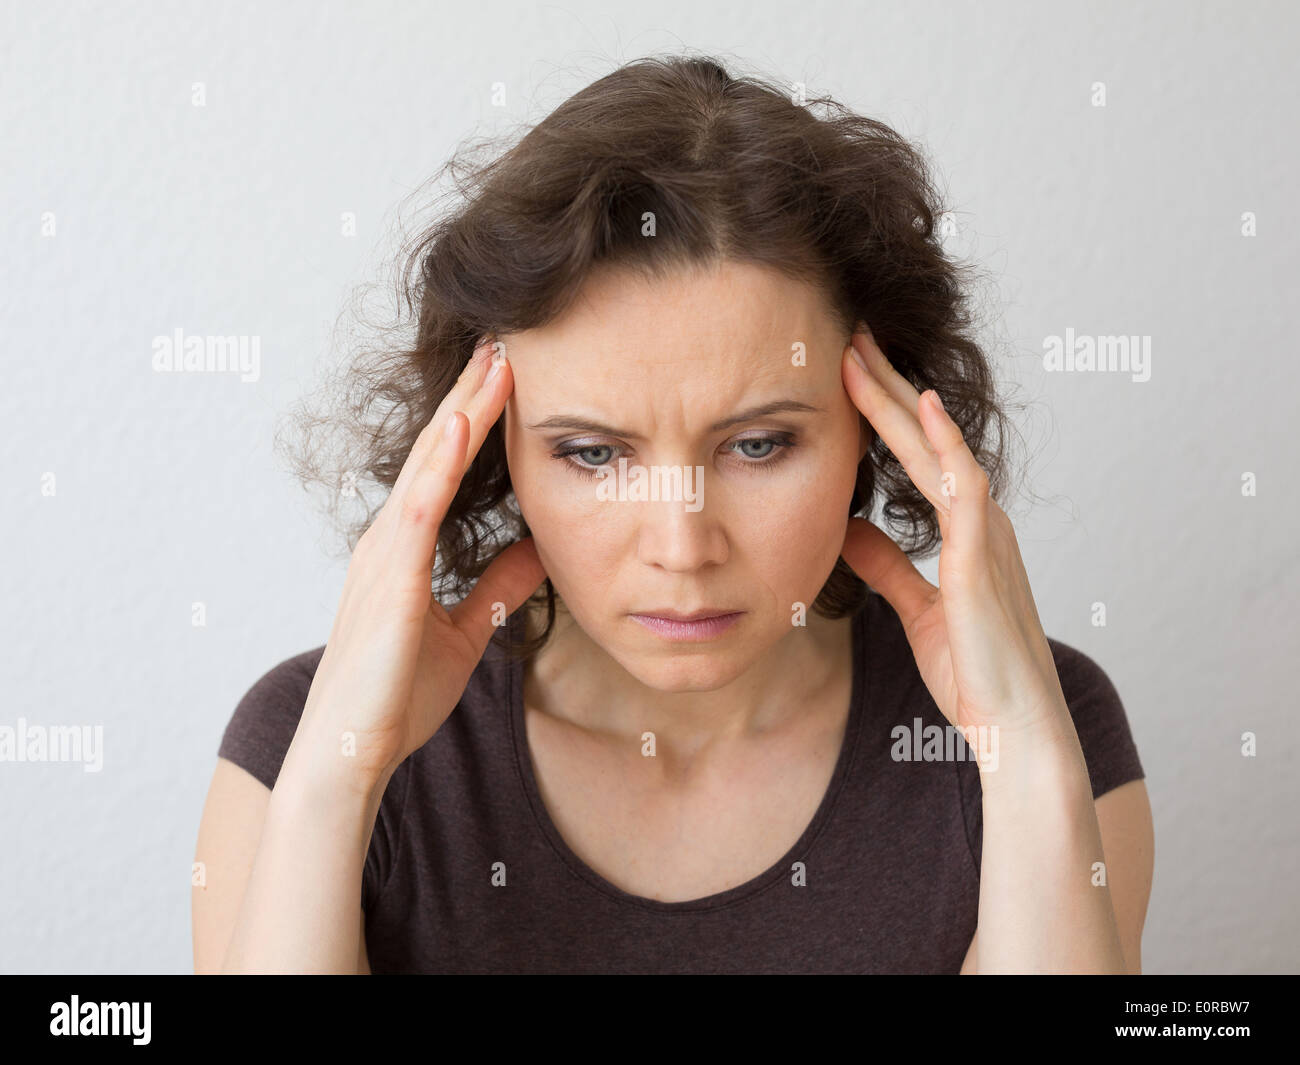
513,576
488,400
423,506
456,399
905,394
956,461
421,510
964,481
897,426
898,386
877,559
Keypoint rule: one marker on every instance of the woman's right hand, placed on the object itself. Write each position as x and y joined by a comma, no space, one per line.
396,662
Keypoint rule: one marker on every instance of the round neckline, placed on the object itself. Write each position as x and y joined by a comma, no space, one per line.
777,873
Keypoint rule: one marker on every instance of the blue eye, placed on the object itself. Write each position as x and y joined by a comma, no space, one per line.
583,468
585,452
586,459
757,440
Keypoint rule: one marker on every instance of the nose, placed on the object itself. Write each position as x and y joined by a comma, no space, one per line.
675,536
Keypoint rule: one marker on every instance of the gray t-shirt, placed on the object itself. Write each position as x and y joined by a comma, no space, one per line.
884,879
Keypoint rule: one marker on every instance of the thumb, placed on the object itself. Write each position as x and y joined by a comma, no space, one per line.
513,576
877,559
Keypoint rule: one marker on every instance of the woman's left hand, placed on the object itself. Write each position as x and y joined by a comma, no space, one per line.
977,639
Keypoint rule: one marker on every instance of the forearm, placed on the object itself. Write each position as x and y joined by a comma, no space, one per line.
301,907
1044,905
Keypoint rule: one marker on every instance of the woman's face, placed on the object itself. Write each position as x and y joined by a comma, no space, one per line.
667,375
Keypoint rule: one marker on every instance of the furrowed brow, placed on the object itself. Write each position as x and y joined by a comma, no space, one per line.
780,406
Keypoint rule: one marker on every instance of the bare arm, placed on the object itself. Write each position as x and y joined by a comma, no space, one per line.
1127,836
227,843
1043,906
283,872
301,906
393,669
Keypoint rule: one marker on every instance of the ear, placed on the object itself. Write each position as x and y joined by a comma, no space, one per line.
866,434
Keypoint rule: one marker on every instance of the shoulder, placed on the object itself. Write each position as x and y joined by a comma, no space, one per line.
1099,717
265,719
264,722
291,677
283,688
1080,672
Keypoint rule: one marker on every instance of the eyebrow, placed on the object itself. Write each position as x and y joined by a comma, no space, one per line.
780,406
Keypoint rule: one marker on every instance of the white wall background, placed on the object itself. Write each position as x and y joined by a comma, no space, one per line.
224,219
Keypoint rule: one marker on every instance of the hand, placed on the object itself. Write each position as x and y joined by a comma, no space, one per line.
977,639
396,662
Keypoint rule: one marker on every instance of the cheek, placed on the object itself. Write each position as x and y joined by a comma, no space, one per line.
796,533
569,526
794,526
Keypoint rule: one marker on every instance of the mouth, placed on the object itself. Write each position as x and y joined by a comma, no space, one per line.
697,625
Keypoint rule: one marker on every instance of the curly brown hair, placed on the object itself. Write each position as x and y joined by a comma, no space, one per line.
731,168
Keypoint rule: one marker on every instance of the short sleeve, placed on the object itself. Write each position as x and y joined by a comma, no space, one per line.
1102,726
1099,719
258,736
266,718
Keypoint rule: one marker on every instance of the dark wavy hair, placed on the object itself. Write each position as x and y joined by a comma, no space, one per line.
732,168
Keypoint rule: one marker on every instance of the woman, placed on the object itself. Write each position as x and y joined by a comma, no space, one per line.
688,713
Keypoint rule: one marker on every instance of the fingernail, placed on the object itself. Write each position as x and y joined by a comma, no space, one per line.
498,361
939,400
450,428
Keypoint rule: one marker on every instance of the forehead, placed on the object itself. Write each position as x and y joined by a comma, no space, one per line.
698,323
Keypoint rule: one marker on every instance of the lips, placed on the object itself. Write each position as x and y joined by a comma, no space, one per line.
678,615
694,627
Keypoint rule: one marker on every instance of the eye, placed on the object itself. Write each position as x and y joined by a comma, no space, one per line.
761,441
587,459
592,456
771,449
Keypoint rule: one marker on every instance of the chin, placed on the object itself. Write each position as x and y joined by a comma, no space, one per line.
684,673
670,666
